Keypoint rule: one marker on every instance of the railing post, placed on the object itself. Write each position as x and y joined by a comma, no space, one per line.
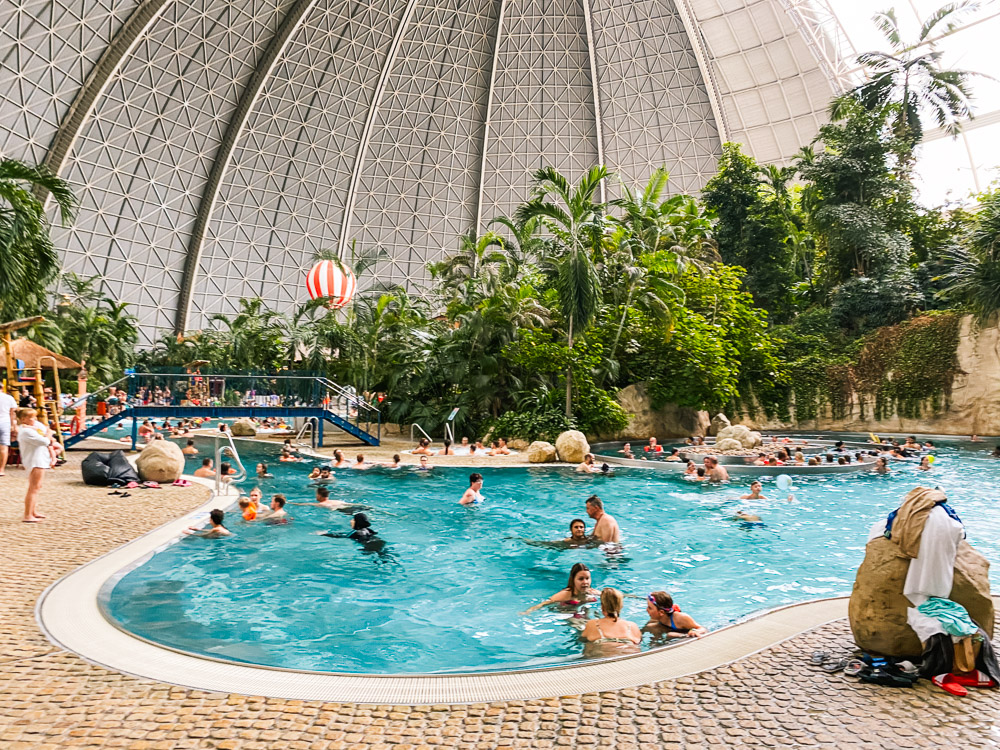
135,428
319,431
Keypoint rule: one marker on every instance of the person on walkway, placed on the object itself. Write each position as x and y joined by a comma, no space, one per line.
8,427
605,527
34,441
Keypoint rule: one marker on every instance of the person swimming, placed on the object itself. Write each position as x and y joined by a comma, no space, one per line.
262,472
314,474
216,518
755,490
577,591
666,619
339,462
577,538
362,530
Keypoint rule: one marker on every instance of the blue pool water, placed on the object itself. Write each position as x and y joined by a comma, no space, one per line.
446,591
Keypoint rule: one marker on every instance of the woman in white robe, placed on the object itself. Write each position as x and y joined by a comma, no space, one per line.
33,443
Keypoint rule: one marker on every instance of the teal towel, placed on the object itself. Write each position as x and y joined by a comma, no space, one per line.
952,616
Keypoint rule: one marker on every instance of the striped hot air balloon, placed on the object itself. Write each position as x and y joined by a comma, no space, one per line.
329,279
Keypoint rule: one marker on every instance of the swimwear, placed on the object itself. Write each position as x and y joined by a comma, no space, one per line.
671,628
603,639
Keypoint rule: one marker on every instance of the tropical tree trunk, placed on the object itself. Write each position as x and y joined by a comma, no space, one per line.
569,373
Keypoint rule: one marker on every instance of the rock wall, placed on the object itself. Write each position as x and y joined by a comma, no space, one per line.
972,409
670,421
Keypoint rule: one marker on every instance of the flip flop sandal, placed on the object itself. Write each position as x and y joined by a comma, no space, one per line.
854,667
975,679
126,494
947,683
819,657
834,666
116,492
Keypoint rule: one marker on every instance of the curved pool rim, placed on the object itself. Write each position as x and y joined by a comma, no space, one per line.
70,615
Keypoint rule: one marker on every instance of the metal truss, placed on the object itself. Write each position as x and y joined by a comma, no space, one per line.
218,145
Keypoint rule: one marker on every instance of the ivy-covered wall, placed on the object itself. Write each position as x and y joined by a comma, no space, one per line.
897,378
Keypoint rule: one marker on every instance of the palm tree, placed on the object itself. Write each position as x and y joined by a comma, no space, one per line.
256,336
576,223
30,261
475,267
974,277
909,80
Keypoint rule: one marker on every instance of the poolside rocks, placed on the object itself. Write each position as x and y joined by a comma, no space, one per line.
728,444
540,452
719,422
877,610
741,434
243,427
667,421
517,444
572,446
160,461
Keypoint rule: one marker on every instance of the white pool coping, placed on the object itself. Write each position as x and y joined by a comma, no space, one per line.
69,615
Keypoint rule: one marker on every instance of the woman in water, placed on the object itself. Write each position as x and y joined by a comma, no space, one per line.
339,462
691,469
666,619
577,591
611,633
881,465
925,463
423,448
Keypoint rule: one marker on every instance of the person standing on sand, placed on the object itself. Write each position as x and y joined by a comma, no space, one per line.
8,427
34,441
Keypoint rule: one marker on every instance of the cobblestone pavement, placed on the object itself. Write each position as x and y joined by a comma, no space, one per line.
53,699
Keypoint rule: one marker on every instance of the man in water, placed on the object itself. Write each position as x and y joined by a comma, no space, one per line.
278,512
588,466
714,471
189,449
653,447
605,527
323,500
424,464
206,470
471,496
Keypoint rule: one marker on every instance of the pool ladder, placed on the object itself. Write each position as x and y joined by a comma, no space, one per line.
222,488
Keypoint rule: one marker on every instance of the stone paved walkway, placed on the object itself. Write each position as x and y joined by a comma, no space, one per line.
53,699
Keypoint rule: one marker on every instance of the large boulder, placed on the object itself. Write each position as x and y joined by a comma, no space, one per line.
728,444
877,610
160,461
517,444
572,446
740,434
243,427
758,439
540,452
719,422
667,421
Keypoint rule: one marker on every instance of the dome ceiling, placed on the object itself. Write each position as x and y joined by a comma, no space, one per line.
217,145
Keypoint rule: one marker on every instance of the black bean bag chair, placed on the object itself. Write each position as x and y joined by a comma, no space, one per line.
104,469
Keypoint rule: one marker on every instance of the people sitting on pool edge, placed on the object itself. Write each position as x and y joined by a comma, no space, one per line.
361,530
610,633
472,495
576,592
423,448
666,619
216,517
447,450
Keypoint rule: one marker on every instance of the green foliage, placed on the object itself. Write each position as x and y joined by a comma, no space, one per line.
861,304
531,425
752,228
28,260
973,278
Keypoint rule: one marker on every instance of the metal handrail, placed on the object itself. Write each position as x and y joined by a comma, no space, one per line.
309,424
235,454
80,400
418,427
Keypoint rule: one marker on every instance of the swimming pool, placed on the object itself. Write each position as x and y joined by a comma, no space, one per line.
445,593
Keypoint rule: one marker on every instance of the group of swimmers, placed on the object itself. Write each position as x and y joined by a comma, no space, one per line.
497,447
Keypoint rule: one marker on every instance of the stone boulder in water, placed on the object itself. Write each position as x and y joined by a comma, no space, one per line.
877,610
160,461
728,444
740,434
719,423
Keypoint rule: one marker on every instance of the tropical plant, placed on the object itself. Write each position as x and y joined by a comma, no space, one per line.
908,81
29,260
974,277
575,222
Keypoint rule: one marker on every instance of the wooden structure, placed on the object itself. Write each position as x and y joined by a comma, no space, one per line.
34,360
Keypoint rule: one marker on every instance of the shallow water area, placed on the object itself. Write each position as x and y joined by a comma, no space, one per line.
444,591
